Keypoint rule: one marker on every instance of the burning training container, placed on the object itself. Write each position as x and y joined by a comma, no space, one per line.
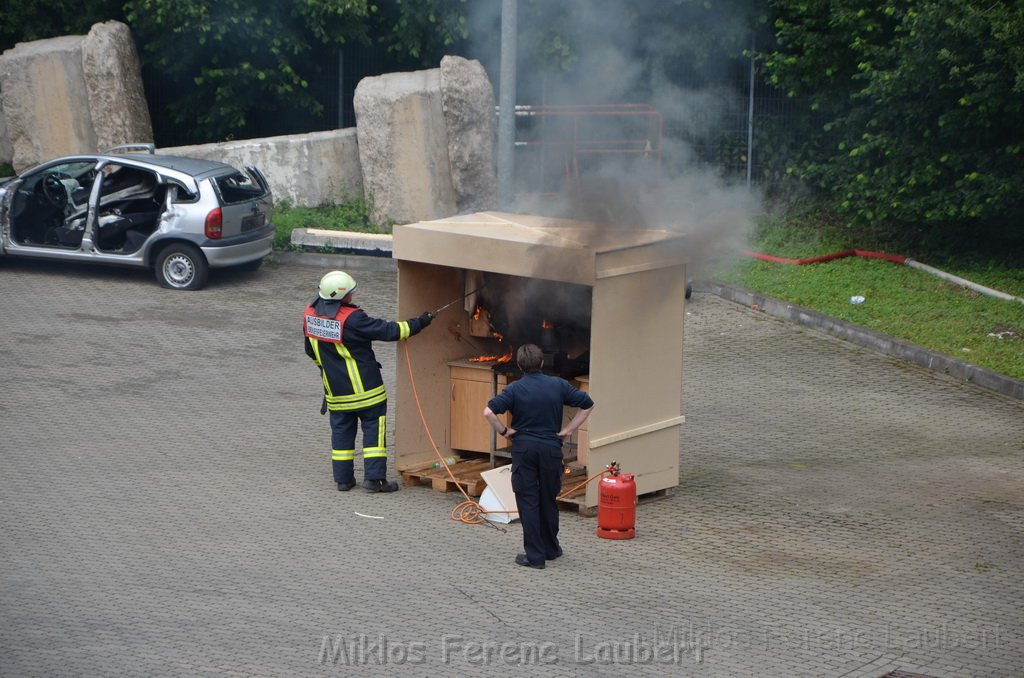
604,302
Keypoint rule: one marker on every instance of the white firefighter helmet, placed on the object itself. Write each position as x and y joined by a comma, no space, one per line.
336,285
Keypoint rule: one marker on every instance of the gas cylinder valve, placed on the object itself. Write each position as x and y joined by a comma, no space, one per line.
614,468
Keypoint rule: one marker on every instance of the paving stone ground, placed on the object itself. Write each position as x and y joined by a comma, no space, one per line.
167,509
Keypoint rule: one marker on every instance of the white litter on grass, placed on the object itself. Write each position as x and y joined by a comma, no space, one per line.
366,516
857,300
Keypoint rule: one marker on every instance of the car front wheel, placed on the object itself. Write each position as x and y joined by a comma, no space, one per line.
181,267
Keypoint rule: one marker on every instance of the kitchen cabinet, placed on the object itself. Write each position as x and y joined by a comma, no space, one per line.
472,386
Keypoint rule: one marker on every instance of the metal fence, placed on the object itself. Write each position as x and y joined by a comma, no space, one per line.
740,128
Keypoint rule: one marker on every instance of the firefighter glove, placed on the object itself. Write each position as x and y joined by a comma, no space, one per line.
425,319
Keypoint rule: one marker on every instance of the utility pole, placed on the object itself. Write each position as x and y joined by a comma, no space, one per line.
507,105
750,120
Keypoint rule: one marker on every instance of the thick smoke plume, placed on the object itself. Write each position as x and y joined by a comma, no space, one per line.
667,188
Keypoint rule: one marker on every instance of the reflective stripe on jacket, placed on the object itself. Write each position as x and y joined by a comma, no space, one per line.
339,339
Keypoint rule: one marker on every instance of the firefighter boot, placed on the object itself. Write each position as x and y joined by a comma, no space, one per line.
344,474
375,472
380,485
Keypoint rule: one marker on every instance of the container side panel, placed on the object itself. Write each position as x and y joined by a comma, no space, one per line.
423,287
636,371
653,458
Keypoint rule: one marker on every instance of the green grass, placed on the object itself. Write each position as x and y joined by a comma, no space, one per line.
351,215
900,301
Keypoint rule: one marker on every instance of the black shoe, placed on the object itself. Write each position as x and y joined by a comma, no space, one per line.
521,559
345,487
557,555
380,485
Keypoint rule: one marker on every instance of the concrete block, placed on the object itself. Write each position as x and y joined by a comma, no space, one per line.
73,94
42,87
6,150
308,170
403,146
467,99
113,83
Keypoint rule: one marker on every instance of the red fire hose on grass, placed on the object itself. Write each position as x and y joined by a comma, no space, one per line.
827,257
894,258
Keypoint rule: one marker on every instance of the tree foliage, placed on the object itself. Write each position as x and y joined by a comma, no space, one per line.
27,20
419,29
679,38
228,66
920,103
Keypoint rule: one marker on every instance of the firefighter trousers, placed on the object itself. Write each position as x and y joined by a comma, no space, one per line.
344,424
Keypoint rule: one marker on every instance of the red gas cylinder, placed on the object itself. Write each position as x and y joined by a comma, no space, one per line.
616,505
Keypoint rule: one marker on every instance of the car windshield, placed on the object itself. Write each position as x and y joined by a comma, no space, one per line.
75,170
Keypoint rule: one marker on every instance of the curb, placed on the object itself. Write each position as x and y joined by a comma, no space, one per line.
358,251
342,260
875,341
372,244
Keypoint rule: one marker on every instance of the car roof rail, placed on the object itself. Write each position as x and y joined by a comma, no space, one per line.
149,148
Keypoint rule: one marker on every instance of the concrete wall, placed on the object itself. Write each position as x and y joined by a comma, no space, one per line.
308,170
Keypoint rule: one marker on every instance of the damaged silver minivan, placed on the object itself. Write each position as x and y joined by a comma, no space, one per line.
178,216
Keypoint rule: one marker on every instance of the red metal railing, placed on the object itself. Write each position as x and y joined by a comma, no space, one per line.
575,133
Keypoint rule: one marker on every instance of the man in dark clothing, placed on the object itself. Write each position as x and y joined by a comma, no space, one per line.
339,339
537,434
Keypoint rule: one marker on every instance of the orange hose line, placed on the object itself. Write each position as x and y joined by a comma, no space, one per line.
585,482
423,418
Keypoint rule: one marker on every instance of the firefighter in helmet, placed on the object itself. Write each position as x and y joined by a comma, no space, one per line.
339,339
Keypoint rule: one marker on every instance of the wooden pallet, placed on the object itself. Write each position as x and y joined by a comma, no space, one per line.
574,500
467,476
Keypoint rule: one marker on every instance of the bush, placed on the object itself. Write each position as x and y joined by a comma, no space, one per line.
350,215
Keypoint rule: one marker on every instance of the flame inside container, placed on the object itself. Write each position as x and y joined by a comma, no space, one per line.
493,358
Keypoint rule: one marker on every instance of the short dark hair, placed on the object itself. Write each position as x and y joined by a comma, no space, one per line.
529,358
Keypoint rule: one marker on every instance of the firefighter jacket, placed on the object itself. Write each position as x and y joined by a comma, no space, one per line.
339,339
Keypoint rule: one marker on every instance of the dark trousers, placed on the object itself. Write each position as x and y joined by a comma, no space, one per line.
537,480
344,425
